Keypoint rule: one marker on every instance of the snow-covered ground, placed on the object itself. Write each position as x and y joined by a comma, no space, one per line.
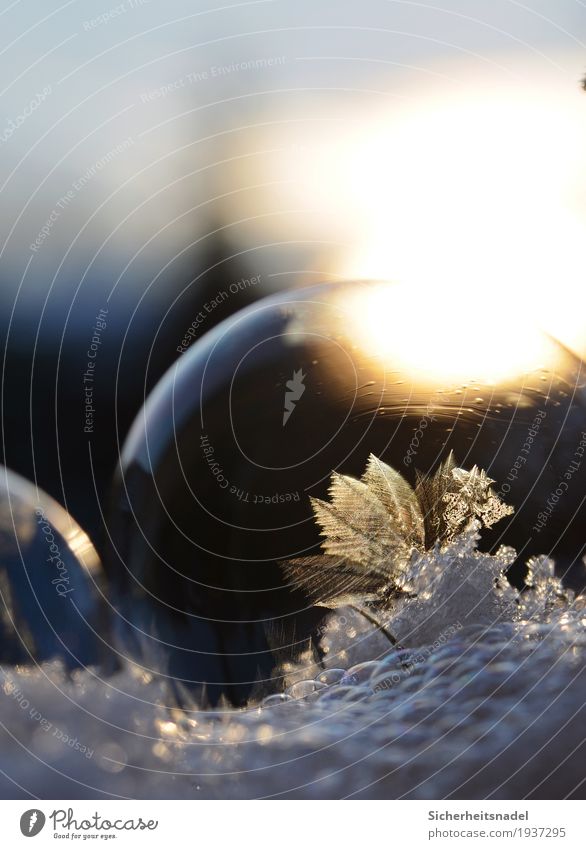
487,699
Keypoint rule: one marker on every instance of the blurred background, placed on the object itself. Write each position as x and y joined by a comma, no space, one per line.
154,155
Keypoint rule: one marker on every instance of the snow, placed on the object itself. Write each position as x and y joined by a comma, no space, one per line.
486,698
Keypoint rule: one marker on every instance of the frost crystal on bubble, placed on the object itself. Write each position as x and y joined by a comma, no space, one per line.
375,528
484,675
406,560
472,497
545,592
454,585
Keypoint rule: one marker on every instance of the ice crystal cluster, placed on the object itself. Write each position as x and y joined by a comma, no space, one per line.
378,530
485,698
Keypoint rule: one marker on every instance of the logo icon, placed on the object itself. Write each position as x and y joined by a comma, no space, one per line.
32,822
295,389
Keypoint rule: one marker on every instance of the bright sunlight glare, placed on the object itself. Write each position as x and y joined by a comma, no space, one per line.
482,201
406,331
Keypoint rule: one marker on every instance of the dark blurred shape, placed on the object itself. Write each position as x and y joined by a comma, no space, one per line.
77,370
218,468
51,582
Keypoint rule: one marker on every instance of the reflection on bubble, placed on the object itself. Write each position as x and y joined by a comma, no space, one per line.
51,581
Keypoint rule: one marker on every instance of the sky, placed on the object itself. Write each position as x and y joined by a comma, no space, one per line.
438,144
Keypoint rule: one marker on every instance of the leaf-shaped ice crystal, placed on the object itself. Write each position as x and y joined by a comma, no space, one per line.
357,523
431,491
332,581
399,499
371,528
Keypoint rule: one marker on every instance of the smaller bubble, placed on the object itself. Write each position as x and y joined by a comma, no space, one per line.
359,674
330,676
276,699
303,689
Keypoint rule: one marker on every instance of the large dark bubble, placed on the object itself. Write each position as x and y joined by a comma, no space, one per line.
218,469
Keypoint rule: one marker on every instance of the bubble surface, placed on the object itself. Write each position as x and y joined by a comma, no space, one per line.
51,581
219,468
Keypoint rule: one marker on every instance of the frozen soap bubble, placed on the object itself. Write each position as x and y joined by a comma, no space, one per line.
50,578
216,474
305,689
276,700
330,676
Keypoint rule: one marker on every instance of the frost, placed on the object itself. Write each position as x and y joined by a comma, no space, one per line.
473,497
493,711
407,558
376,531
545,592
484,699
